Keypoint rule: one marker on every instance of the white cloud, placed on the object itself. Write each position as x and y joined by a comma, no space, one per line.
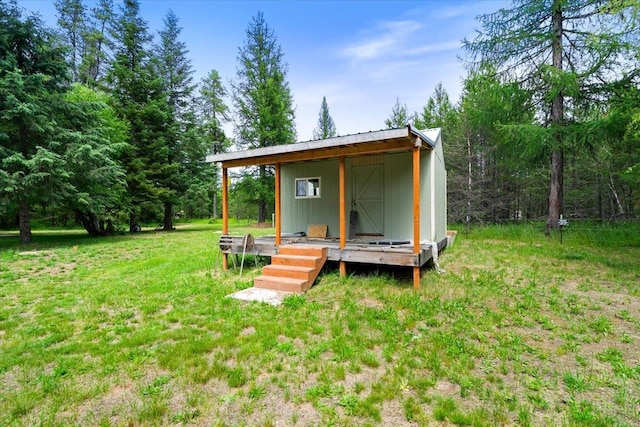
434,48
388,38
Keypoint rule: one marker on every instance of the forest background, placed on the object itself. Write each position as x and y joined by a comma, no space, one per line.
103,124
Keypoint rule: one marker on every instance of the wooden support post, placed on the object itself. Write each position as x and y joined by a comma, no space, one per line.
225,213
278,224
343,214
416,213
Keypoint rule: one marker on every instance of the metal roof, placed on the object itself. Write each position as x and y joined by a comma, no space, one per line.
376,142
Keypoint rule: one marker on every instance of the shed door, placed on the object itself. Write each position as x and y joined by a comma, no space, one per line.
368,199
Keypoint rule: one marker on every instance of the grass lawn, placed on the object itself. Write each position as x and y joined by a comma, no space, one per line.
136,330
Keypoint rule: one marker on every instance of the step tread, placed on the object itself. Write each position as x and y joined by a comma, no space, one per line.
292,256
281,283
296,268
303,252
288,280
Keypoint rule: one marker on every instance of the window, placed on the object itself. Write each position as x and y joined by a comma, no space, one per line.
307,188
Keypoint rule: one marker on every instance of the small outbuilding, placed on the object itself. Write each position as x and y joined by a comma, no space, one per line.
371,198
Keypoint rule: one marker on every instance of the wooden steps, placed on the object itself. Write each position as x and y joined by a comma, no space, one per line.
294,269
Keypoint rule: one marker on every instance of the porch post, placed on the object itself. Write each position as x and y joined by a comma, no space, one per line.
416,211
225,214
278,207
343,222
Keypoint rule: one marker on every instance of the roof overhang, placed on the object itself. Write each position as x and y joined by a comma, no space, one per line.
368,143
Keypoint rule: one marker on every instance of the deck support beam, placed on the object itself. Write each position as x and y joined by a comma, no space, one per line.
416,213
225,213
278,224
343,221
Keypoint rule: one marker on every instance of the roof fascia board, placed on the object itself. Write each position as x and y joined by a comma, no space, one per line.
357,144
359,138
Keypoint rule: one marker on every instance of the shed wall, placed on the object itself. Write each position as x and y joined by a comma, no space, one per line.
425,196
399,197
441,192
298,214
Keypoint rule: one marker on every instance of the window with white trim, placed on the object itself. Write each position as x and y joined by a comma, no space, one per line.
308,188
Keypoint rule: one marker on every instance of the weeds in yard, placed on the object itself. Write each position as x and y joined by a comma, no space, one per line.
137,330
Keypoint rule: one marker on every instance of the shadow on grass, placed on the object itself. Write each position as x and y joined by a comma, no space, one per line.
50,239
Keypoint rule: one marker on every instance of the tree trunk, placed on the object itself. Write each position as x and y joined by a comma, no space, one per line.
616,198
557,118
469,159
168,216
215,204
555,192
600,206
24,222
90,223
262,203
133,225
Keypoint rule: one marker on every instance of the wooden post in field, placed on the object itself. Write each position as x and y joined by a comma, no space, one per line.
225,214
343,221
278,225
416,211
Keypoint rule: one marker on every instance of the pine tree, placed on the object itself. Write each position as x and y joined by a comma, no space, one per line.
435,113
214,113
325,128
262,99
176,71
140,99
97,44
86,37
33,80
399,116
72,21
568,53
91,142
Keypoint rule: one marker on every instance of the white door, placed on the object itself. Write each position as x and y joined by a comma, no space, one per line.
368,199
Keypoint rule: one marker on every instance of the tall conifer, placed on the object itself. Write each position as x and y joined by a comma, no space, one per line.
325,128
262,99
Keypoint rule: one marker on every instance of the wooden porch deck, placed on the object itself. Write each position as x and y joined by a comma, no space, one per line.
356,251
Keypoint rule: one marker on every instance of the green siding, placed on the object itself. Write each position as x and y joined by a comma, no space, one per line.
441,194
425,195
398,210
298,214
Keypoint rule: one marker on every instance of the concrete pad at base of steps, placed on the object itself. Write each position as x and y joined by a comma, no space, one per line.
261,295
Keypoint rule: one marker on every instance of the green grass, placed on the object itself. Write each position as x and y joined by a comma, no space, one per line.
137,330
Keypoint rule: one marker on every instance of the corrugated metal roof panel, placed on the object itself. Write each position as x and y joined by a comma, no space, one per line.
428,136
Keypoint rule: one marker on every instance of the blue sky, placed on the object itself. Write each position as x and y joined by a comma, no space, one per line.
361,55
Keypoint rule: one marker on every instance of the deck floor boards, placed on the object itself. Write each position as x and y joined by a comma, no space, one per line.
356,251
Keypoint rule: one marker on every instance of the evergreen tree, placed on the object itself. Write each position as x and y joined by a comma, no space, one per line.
176,72
214,113
91,142
72,21
568,53
487,175
97,44
399,117
33,80
435,112
86,37
325,128
263,101
139,97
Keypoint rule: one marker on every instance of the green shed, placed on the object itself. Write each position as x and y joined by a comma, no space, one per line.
377,197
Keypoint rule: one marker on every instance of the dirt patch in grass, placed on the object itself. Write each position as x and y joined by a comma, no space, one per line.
370,302
249,330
